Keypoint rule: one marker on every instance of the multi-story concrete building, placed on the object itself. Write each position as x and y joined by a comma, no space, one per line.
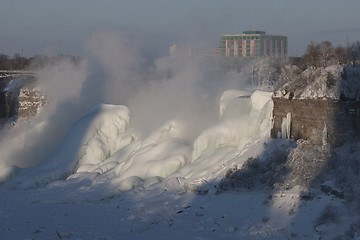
253,44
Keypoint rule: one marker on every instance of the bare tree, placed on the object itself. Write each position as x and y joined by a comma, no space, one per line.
353,53
324,51
339,54
311,57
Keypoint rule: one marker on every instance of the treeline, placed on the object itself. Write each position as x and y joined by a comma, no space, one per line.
18,62
324,54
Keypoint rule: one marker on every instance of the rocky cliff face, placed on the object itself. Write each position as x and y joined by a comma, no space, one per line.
19,98
318,120
30,102
323,104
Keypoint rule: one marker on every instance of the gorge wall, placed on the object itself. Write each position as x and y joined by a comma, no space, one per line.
318,120
19,98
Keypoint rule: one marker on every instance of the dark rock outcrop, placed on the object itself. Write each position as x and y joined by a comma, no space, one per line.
318,120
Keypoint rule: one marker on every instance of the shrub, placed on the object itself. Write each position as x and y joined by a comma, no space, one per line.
256,172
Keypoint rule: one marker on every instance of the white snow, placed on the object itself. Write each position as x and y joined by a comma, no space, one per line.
230,96
102,148
313,83
89,141
104,181
238,129
332,82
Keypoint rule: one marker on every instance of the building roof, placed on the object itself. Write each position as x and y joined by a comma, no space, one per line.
246,33
253,32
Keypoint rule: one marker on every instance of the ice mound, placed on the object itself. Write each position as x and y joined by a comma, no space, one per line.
102,155
153,162
102,152
90,141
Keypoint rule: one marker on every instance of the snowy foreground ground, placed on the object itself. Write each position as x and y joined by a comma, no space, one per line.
160,214
105,182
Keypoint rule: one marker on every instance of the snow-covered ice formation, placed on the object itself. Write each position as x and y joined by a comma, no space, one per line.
104,150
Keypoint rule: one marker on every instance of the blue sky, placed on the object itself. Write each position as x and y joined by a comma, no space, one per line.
61,27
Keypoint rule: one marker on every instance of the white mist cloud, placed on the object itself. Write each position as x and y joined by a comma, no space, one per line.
116,65
28,144
115,71
155,92
62,81
180,93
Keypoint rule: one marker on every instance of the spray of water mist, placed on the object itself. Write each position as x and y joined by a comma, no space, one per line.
180,88
28,144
